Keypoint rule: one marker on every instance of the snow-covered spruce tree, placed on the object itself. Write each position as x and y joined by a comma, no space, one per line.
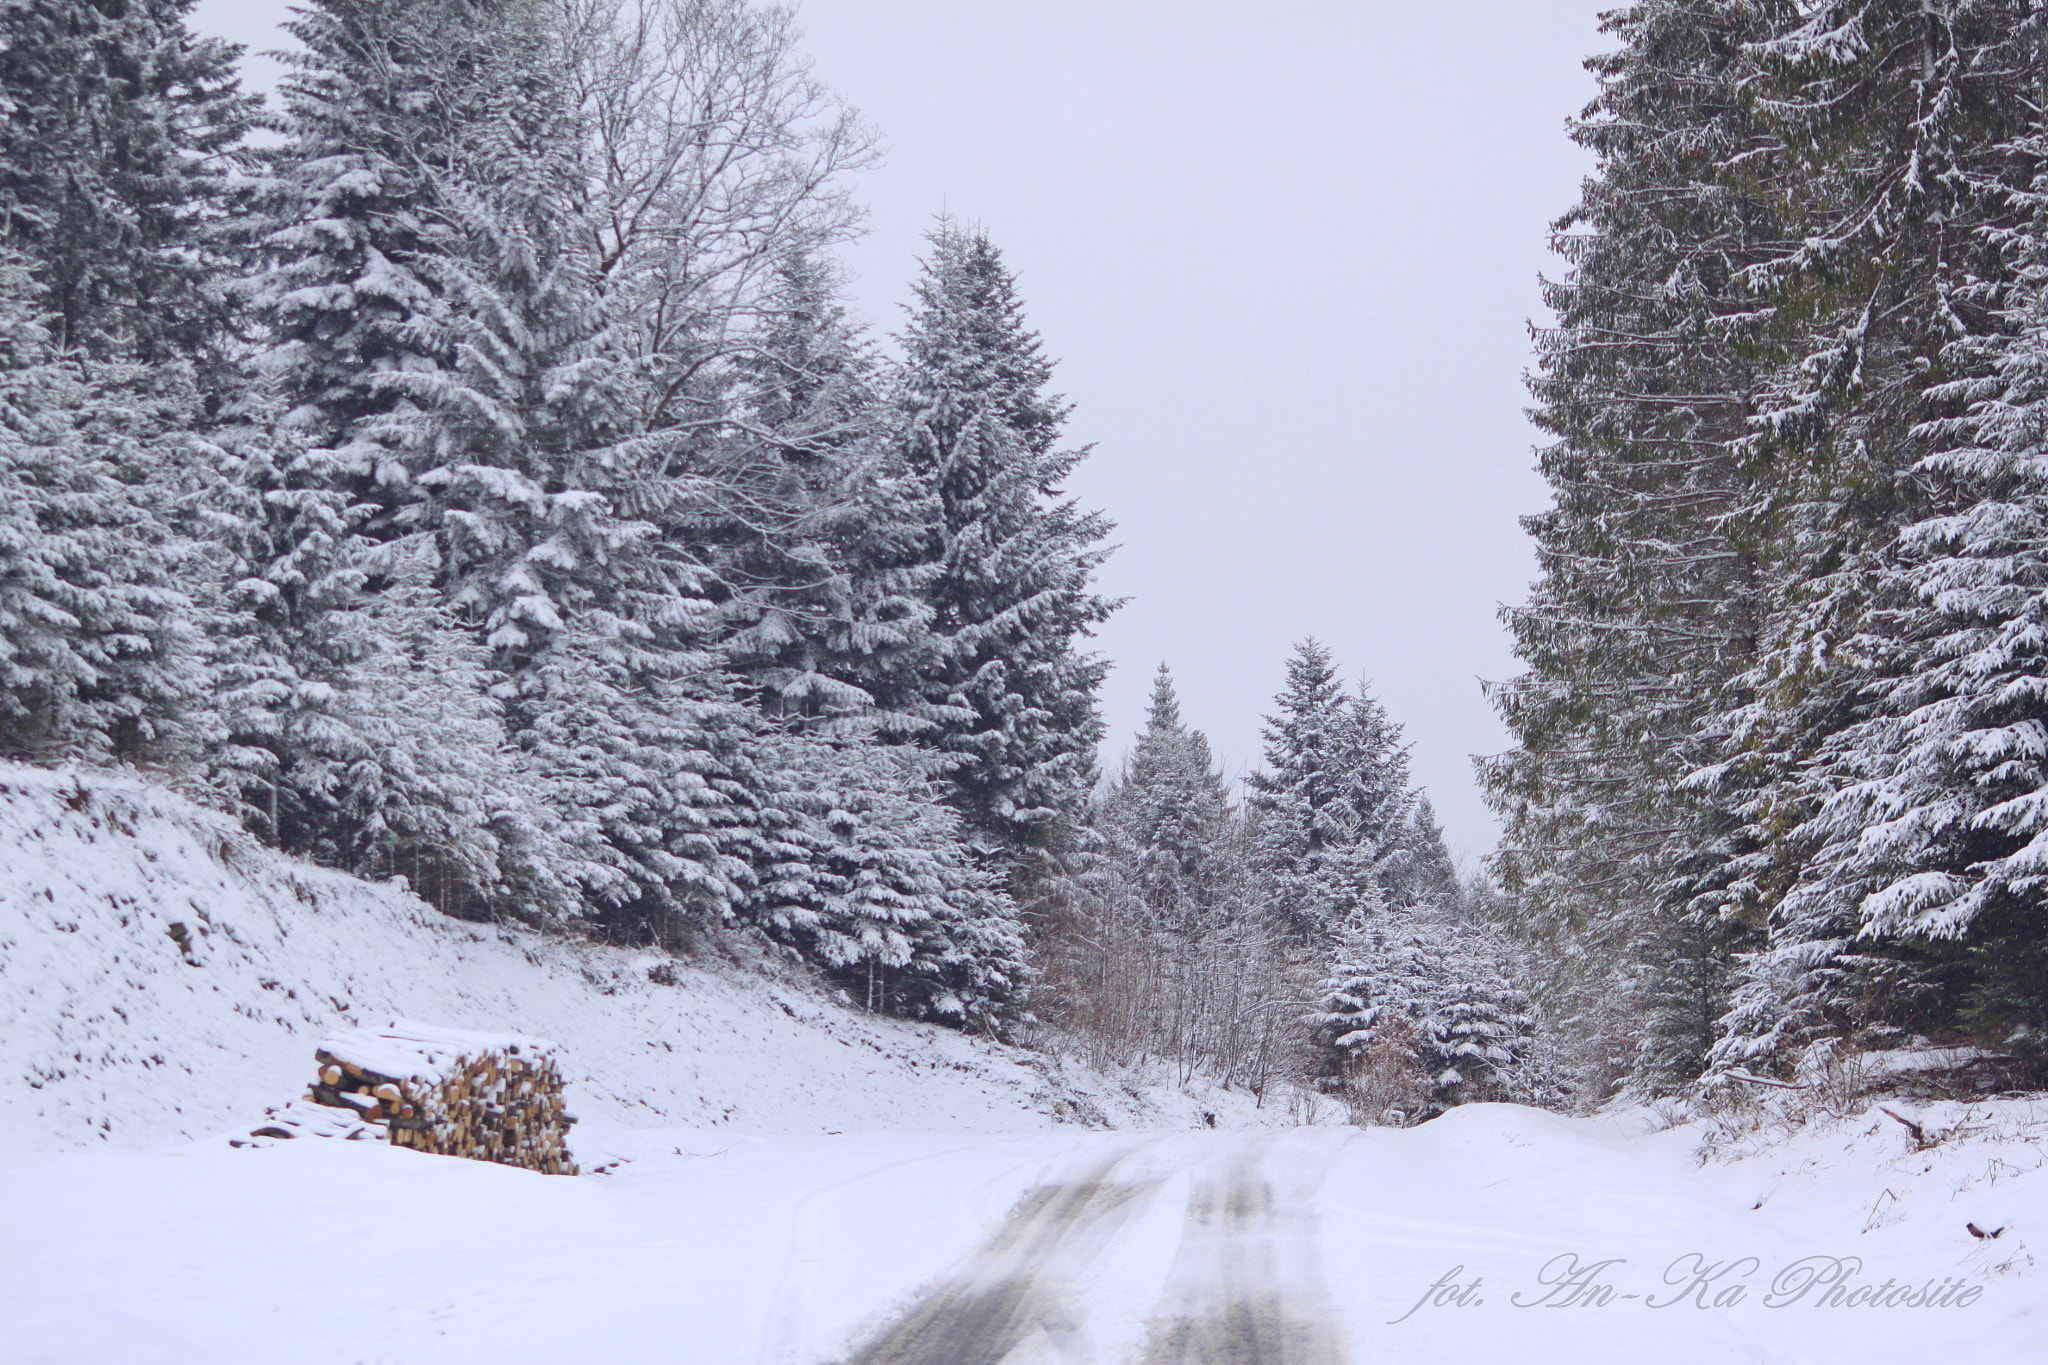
1415,1016
650,466
358,727
1913,123
343,217
1918,907
1301,822
819,550
355,230
642,568
1796,274
1351,865
1629,799
1012,598
117,125
1373,761
379,107
863,865
869,872
96,659
1165,817
1331,811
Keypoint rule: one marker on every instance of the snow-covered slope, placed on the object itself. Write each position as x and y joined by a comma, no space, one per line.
773,1176
163,977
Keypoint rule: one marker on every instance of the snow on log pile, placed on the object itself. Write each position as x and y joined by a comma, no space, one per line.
163,977
485,1096
304,1118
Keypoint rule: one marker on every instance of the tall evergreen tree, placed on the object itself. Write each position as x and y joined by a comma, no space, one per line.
95,656
1628,801
1911,124
1303,826
117,125
1799,264
343,222
1332,810
1377,794
375,290
1166,815
1012,599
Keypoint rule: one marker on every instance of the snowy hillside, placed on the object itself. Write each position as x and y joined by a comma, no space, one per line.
800,1183
162,977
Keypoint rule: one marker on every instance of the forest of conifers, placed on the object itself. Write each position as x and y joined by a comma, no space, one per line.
1781,787
463,467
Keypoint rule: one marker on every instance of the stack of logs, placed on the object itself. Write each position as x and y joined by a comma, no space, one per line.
486,1096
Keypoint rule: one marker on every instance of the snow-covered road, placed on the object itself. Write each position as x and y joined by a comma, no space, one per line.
1495,1233
1242,1286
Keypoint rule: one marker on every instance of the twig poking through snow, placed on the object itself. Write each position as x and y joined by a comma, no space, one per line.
1920,1138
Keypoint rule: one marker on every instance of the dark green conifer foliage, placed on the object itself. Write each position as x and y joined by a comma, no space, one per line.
1010,692
1759,794
1643,627
117,130
96,656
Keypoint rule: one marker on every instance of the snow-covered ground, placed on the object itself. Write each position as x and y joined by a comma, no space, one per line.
163,977
774,1179
1304,1247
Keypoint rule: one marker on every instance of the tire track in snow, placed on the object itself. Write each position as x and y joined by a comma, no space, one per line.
806,1252
1018,1289
1246,1286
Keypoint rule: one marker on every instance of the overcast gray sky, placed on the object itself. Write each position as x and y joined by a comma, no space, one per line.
1285,251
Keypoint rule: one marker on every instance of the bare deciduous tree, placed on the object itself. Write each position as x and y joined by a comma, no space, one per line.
715,157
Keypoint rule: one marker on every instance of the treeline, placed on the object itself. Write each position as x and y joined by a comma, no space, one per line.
1316,933
468,471
1781,783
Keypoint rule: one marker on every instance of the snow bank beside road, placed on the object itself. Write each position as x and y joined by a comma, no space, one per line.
162,977
1966,1193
